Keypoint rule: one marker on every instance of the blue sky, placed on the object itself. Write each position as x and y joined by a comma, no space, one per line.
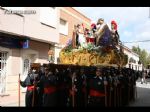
133,22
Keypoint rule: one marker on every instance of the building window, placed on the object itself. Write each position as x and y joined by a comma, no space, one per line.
135,67
129,65
48,16
3,63
63,27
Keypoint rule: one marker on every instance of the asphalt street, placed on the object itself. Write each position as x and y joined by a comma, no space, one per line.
143,95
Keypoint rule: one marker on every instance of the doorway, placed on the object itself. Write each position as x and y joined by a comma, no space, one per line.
28,57
3,70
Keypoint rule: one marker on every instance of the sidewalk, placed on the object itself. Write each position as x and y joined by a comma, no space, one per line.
143,95
12,100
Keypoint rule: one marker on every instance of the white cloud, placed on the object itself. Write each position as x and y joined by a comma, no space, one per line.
144,35
127,33
143,31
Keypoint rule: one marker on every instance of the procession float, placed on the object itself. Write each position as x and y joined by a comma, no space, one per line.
95,46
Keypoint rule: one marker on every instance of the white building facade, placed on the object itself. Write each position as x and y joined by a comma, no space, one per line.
24,39
133,59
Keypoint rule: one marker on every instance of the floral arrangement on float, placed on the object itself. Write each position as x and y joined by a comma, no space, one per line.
90,53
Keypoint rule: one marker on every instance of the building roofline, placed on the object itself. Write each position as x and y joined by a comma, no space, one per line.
80,13
74,13
125,47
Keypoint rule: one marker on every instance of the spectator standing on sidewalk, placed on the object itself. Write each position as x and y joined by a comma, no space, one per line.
143,79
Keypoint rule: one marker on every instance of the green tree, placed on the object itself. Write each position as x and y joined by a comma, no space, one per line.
137,50
148,60
143,55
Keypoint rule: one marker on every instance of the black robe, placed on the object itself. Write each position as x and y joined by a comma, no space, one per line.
97,84
29,93
49,99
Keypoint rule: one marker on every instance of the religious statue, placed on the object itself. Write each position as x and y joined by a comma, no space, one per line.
74,37
81,37
103,34
114,34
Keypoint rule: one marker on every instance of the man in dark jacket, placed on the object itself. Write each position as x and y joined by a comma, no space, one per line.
97,89
81,86
49,83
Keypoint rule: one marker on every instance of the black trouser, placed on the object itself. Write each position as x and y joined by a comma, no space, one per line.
62,97
124,96
40,96
81,100
29,98
110,98
97,101
50,100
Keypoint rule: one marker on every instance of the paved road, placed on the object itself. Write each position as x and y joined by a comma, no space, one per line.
143,98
